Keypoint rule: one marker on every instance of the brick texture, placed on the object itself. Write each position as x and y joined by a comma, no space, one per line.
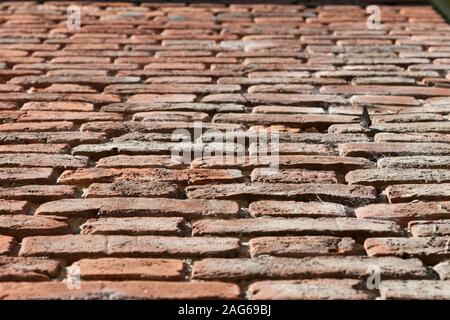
133,149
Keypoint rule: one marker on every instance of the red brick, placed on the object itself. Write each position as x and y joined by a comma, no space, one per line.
422,228
28,269
74,116
13,207
37,126
38,193
386,90
339,164
304,268
7,244
423,192
405,212
303,246
69,137
129,188
295,226
171,116
293,148
428,249
120,290
293,176
130,269
135,226
298,209
415,290
14,176
139,207
288,191
148,161
34,148
319,289
357,149
385,176
147,98
58,106
422,162
71,247
274,98
173,88
425,137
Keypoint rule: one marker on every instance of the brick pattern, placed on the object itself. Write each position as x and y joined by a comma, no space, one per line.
88,180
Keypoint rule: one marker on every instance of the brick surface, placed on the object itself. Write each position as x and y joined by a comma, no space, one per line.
130,269
113,290
134,148
321,289
324,267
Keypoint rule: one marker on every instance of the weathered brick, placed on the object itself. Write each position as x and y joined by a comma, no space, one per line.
115,290
129,188
58,106
386,176
34,148
292,148
288,191
38,193
37,126
304,268
69,137
13,207
415,127
28,269
339,164
130,269
392,149
295,226
429,228
139,207
171,116
43,160
428,249
419,162
443,269
303,246
318,289
134,226
298,209
172,107
20,226
14,176
415,290
6,245
404,212
74,116
72,247
385,90
425,137
147,161
423,192
292,176
369,100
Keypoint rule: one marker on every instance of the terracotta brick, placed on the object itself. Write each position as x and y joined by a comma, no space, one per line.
429,228
386,90
130,269
7,244
134,226
298,209
392,149
20,226
426,137
385,176
428,249
288,191
43,160
139,207
146,98
173,88
28,269
293,148
58,106
298,226
147,161
71,247
419,162
38,193
172,107
274,98
414,290
34,148
402,213
369,100
13,207
292,176
120,290
73,116
129,188
69,137
37,126
423,192
304,268
303,246
15,176
339,164
170,116
319,289
417,127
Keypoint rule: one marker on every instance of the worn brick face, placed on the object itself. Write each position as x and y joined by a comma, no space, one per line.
135,149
